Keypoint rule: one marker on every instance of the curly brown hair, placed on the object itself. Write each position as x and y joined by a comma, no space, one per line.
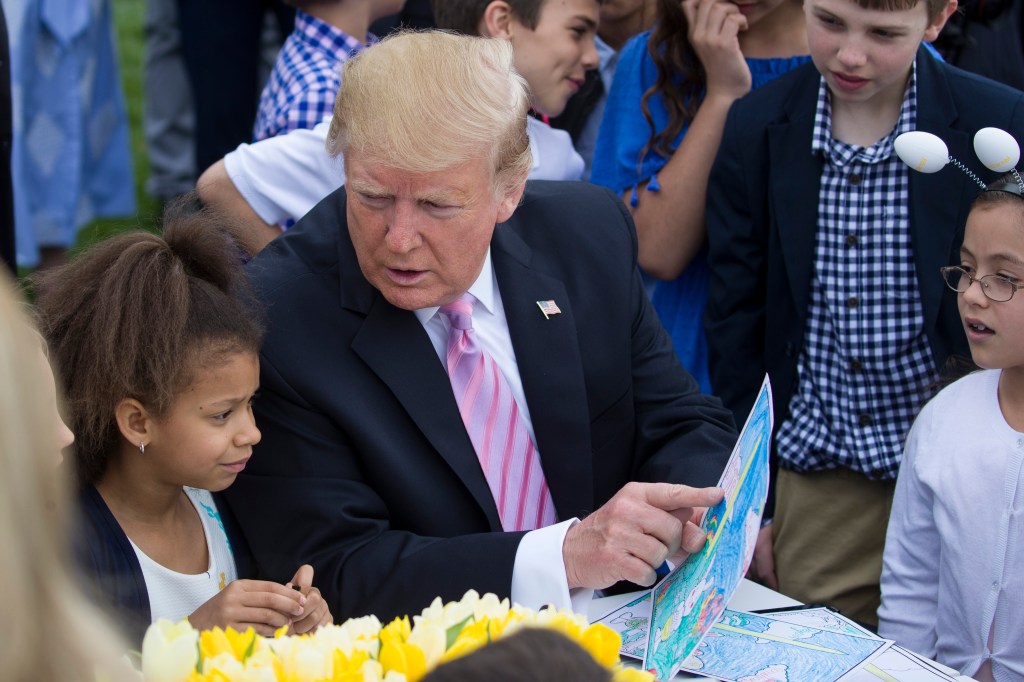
681,78
139,315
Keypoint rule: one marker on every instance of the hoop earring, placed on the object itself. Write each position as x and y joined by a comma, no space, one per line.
142,447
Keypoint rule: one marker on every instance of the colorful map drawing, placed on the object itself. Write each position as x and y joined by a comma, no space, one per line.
688,601
744,647
822,618
633,623
894,664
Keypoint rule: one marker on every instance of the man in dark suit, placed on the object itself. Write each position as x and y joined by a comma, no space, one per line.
824,251
367,469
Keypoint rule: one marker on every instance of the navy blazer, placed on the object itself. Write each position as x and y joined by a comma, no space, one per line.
110,568
365,469
762,218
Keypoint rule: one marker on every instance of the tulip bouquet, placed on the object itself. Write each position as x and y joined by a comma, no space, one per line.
362,649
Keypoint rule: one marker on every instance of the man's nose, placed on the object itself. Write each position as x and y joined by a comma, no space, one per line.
402,231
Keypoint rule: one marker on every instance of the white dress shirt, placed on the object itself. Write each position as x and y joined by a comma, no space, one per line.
538,577
952,582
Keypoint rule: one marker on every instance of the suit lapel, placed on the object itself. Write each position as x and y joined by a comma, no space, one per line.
796,178
938,201
547,352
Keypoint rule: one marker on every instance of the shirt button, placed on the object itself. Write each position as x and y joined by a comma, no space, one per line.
855,365
865,420
852,302
854,179
1020,442
851,240
995,585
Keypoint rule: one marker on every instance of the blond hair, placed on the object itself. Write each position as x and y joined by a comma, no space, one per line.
425,101
49,631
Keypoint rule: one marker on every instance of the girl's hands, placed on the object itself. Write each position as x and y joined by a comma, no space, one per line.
262,605
315,613
715,26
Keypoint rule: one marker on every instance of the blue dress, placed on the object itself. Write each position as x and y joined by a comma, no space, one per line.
624,133
70,160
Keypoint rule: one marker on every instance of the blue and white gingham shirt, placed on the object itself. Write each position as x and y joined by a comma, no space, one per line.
307,74
865,367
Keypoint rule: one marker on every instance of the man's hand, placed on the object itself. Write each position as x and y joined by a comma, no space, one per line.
762,566
629,537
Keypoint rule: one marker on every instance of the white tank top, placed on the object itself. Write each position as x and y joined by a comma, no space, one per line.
174,595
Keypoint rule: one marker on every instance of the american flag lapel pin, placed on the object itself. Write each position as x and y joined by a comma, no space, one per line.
549,308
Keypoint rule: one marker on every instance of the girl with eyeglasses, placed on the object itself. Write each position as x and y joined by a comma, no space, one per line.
952,588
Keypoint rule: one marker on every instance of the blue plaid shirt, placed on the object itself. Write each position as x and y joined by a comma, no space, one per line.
865,367
307,74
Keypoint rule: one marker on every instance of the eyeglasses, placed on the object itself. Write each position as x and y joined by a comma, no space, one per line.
995,287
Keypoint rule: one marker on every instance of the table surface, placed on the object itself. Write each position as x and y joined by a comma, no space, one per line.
749,596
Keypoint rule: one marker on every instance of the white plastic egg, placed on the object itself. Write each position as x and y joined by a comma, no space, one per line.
922,151
996,149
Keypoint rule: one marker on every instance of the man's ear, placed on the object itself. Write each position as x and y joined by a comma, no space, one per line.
935,26
497,20
510,201
134,422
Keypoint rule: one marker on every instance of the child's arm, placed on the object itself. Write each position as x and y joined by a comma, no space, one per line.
910,575
263,605
315,613
670,222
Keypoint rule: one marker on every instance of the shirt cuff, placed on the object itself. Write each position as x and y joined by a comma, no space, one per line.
538,576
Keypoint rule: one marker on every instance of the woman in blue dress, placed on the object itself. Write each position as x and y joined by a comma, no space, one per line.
662,126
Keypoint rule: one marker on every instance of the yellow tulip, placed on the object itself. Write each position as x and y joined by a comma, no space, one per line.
431,638
396,631
403,658
603,643
169,651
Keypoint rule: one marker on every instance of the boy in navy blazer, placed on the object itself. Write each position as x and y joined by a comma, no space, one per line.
824,257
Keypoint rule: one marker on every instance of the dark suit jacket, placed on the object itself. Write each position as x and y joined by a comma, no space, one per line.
365,469
762,218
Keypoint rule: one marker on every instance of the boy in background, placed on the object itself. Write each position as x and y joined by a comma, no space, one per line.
307,73
823,252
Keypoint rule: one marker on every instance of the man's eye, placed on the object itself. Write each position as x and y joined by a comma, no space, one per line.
373,200
223,416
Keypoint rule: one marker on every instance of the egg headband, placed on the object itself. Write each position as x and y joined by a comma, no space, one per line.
996,149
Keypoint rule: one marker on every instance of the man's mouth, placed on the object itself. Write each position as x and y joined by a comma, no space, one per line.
405,277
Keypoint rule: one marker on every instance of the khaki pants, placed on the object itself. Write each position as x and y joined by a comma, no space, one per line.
828,536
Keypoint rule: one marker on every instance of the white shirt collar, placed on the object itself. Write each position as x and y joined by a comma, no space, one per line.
482,289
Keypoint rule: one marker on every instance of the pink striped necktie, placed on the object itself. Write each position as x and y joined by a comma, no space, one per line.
504,447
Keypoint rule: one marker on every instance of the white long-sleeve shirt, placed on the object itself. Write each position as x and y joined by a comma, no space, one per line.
953,571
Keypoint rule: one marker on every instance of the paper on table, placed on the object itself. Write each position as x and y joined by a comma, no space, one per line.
747,647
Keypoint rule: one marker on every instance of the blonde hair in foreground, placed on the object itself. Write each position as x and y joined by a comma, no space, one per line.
49,631
431,100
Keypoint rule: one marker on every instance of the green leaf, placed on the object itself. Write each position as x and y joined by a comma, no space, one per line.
249,649
453,632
